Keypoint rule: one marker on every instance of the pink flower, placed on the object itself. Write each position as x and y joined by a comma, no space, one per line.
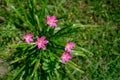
51,21
69,46
65,57
41,42
28,37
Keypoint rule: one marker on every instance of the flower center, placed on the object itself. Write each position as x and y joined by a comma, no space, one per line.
67,46
63,56
51,21
27,37
40,42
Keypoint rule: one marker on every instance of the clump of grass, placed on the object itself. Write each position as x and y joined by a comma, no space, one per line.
99,34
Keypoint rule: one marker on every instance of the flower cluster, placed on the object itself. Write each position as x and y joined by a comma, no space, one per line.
41,41
66,55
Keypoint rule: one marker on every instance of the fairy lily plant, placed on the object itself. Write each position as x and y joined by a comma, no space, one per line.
44,53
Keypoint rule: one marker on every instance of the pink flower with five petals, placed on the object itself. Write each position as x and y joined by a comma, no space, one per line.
51,21
69,46
28,37
65,57
41,42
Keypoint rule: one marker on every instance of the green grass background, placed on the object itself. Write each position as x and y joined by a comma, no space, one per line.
99,33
